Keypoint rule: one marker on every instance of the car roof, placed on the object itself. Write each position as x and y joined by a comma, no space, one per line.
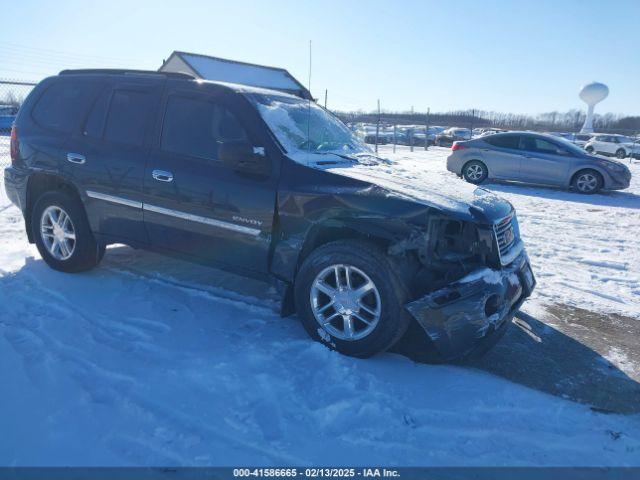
234,87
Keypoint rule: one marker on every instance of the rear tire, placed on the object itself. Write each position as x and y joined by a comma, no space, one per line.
329,312
621,153
587,182
589,149
475,172
62,234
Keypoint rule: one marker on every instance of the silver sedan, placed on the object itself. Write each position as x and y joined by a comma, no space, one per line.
537,159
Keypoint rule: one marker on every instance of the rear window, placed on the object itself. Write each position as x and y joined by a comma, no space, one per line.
503,141
62,105
129,117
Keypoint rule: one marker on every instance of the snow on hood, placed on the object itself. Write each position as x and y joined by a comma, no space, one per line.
433,189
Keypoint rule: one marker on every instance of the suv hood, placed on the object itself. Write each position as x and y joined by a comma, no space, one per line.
435,189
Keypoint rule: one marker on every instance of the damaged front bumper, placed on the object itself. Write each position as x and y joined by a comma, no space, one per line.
473,312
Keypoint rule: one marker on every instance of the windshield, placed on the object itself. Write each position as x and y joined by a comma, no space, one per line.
304,127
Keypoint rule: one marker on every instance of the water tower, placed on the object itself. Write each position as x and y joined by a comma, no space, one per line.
591,94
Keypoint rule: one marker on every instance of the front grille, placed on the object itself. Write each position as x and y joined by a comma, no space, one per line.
506,232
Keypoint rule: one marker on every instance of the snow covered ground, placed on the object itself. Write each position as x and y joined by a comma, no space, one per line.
150,361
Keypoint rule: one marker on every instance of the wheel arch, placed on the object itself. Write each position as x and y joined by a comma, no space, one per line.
582,168
332,230
326,232
475,159
42,182
626,150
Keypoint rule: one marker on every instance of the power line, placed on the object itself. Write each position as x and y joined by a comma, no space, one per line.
61,53
56,64
39,57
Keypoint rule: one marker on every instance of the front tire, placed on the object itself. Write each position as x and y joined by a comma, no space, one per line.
475,172
589,149
62,234
350,296
587,182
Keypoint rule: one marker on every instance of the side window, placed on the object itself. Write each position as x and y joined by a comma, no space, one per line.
129,116
62,105
196,127
503,141
540,145
94,127
543,146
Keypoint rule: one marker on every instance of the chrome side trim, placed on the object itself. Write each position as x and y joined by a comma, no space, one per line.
199,219
113,199
174,213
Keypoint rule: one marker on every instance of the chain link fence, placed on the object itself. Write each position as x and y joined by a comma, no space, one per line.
12,94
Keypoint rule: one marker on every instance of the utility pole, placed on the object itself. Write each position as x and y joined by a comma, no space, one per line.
411,132
426,130
473,114
325,98
378,126
395,132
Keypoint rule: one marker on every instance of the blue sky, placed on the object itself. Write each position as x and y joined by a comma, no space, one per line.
514,56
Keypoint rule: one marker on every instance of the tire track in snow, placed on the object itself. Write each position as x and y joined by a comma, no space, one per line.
108,387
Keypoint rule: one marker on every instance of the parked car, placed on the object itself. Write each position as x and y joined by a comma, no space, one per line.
619,146
368,134
267,185
7,117
538,159
446,138
565,135
581,139
490,131
416,135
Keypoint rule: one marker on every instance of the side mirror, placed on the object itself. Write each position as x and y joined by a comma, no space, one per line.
242,157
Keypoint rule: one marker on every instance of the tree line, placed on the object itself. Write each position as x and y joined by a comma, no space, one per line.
570,121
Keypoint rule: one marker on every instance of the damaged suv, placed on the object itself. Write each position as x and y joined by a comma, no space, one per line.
268,185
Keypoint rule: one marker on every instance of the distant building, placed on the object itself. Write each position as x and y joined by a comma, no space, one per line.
222,70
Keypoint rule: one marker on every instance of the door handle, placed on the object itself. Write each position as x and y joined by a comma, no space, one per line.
76,158
162,175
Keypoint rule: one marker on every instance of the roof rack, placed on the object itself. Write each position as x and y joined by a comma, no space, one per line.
118,71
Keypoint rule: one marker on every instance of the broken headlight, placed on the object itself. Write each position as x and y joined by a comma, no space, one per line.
455,244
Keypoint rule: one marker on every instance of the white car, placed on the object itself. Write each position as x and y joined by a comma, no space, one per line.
490,131
619,146
581,139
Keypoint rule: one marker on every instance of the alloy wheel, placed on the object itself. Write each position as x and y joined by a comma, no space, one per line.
475,172
345,302
58,233
587,182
